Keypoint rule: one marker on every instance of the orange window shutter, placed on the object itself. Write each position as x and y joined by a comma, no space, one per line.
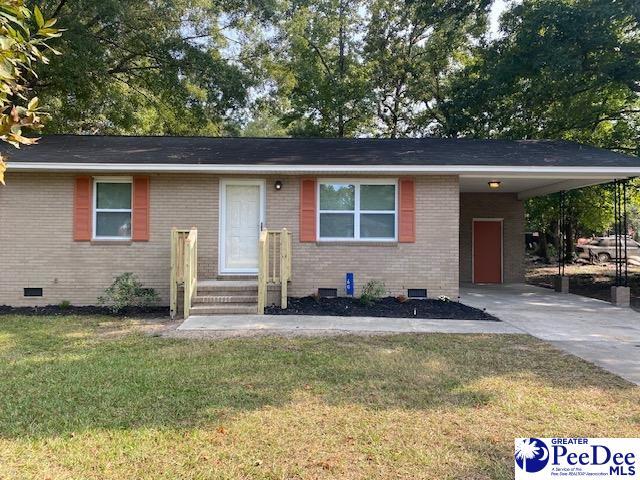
140,209
82,209
407,221
308,210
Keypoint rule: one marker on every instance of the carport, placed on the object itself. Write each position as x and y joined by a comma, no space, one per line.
492,218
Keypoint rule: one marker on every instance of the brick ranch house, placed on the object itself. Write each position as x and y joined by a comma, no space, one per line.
417,214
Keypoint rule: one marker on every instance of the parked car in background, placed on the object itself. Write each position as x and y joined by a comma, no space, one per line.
603,249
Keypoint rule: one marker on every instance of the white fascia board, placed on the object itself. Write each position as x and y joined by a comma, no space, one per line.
463,170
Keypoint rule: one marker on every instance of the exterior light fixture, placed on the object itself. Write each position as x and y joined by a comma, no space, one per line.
278,185
494,184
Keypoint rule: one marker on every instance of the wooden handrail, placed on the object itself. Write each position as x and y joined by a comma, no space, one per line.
263,269
274,264
184,268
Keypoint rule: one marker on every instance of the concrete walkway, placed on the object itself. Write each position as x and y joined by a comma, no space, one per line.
292,323
588,328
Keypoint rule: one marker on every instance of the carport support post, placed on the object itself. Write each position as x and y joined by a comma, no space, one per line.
562,281
620,292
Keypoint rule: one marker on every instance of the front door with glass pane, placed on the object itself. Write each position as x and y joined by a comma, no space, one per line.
241,215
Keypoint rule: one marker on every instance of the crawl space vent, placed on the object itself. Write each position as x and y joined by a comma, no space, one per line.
327,292
417,293
32,292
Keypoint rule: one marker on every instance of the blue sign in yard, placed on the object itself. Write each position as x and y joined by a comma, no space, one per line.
348,284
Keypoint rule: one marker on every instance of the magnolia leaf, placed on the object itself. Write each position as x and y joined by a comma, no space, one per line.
12,18
33,104
53,50
39,18
5,43
6,70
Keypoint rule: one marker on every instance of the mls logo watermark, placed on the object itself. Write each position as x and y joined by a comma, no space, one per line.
577,458
532,454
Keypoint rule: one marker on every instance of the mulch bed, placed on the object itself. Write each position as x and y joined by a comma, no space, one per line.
385,307
57,310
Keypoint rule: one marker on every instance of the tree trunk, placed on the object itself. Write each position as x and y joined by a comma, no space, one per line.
543,250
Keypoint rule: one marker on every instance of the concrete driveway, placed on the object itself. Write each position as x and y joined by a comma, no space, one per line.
588,328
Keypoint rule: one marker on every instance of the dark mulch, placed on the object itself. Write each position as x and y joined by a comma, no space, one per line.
57,310
385,307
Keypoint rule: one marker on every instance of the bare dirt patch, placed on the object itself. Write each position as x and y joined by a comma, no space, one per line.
593,281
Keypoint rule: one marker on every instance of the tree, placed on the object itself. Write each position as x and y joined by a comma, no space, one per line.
316,62
588,211
24,34
149,66
563,69
414,50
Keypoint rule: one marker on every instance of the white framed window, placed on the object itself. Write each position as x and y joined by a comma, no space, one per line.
362,210
112,199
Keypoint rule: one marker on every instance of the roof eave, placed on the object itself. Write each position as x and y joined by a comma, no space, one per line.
465,170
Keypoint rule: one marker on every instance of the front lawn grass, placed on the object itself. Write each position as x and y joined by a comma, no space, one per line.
96,398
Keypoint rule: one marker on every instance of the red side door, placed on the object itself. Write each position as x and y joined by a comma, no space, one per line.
487,251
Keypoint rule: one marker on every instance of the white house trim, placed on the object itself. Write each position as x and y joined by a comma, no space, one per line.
464,170
94,206
357,212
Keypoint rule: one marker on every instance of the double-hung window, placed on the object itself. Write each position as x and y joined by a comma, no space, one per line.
112,209
357,210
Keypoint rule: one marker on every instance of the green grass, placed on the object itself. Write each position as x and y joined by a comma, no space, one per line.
88,398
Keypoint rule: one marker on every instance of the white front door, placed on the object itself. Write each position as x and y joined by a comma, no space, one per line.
241,215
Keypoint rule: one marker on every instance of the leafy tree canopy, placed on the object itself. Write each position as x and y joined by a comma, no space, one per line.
563,69
314,63
147,67
24,34
414,50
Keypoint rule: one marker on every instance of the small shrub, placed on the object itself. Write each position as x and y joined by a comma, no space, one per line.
64,305
373,290
126,291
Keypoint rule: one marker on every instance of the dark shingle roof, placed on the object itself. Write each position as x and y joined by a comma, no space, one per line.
316,151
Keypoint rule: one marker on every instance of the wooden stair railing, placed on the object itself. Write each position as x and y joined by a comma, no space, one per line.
184,268
274,264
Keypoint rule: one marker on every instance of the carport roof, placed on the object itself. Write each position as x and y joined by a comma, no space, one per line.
308,152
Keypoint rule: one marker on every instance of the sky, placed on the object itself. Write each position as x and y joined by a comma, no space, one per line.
497,8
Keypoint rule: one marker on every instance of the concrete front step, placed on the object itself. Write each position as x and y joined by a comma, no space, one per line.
224,309
226,297
208,299
237,278
207,288
227,283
